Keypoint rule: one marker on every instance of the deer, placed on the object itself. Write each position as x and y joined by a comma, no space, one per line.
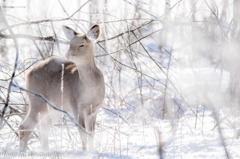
82,84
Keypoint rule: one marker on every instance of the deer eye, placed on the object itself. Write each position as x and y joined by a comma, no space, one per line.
80,45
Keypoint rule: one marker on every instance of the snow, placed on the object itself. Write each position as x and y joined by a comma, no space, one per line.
189,137
131,124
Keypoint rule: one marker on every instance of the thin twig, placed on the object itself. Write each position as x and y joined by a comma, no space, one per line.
220,134
24,36
39,50
127,32
15,132
117,113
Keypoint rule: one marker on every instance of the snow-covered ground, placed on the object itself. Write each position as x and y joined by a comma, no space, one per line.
192,136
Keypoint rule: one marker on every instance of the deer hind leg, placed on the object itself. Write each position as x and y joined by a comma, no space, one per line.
25,130
30,122
43,127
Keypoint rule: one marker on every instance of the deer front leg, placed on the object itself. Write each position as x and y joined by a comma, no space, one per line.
91,129
90,120
83,134
87,119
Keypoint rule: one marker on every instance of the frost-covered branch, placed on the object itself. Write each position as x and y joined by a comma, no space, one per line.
54,107
2,17
128,31
31,37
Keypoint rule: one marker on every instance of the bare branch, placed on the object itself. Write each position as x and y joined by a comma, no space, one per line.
127,32
14,69
15,36
54,107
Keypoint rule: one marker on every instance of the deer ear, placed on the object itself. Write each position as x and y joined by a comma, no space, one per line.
69,32
94,32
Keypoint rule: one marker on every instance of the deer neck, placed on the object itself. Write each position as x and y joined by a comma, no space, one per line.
86,68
